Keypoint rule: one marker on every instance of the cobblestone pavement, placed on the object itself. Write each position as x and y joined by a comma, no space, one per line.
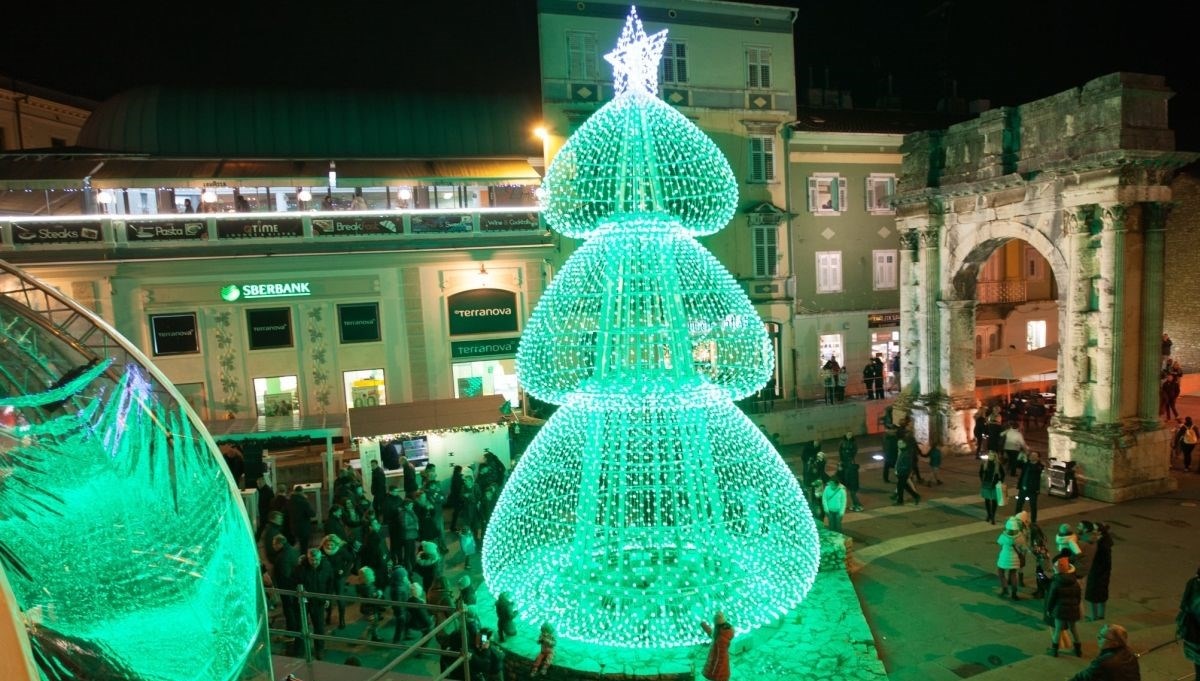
921,593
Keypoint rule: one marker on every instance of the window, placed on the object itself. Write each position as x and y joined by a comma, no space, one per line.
581,55
829,271
762,158
880,189
1035,334
766,250
886,270
758,65
826,193
674,63
1035,265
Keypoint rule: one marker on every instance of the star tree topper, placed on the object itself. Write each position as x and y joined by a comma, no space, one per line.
635,61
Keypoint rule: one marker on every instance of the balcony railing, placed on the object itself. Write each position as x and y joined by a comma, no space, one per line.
1013,291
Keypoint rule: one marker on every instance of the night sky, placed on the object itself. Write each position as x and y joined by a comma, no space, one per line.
1008,52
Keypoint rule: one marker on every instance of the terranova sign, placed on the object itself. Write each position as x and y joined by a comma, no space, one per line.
235,292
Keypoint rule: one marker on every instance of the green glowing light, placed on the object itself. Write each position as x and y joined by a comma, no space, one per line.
648,501
230,293
118,523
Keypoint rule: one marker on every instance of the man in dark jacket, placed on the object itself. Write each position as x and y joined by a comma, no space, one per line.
1116,662
378,487
1029,485
301,516
316,576
905,463
285,560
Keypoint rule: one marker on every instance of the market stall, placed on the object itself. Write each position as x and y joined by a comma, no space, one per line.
442,432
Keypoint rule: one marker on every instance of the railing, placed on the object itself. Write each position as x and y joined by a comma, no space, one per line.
455,616
189,230
1013,291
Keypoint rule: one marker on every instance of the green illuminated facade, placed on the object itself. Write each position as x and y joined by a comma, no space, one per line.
649,500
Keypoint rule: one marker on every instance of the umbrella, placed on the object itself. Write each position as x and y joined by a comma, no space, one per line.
1011,364
1047,351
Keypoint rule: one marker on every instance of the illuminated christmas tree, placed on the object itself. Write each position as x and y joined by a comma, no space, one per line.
648,501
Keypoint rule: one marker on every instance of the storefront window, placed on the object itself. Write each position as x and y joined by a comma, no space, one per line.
364,388
831,348
276,396
487,377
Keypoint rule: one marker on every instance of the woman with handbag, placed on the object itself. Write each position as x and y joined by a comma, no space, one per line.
991,480
1010,558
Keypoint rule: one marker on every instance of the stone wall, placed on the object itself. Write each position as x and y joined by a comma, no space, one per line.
1181,309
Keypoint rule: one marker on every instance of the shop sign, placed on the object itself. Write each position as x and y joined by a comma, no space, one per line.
427,224
482,310
231,293
165,231
359,323
270,328
260,229
55,233
508,222
880,319
494,347
356,226
174,334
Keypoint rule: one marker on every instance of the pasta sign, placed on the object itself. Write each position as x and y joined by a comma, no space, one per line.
482,310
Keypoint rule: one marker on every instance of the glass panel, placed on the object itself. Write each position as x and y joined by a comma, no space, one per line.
487,377
364,388
276,396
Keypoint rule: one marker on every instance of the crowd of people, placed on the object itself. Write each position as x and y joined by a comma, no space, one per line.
392,546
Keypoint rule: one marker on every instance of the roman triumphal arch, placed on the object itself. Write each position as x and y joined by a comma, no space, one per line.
1082,177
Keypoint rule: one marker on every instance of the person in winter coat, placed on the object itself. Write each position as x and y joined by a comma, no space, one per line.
1116,661
301,517
506,617
905,464
1062,605
1008,560
833,499
848,475
378,487
399,590
990,474
341,562
547,642
428,563
1100,572
716,667
1029,484
455,499
316,576
1187,622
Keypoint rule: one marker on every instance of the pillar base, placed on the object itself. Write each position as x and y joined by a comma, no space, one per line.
945,419
1115,462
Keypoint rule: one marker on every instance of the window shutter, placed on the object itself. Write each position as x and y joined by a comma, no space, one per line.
840,200
752,67
768,144
813,203
681,75
764,79
870,193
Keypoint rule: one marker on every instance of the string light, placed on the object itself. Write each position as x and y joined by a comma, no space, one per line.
648,501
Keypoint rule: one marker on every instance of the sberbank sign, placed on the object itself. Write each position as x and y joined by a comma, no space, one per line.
234,292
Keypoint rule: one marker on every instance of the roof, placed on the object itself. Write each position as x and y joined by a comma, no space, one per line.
312,124
416,417
886,121
315,426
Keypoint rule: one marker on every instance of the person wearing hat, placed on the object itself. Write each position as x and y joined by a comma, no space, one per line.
1008,561
1116,661
1062,605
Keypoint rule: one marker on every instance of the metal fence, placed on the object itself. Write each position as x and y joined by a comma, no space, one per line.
455,616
